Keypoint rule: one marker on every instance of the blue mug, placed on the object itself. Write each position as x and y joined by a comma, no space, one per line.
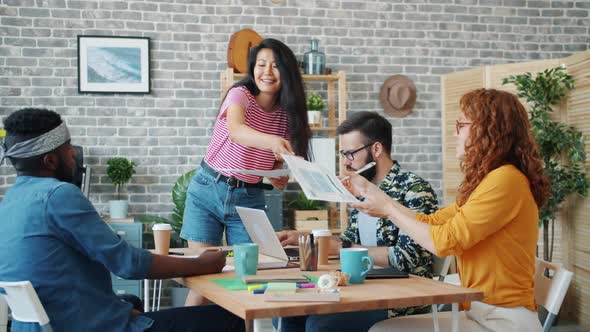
245,259
356,262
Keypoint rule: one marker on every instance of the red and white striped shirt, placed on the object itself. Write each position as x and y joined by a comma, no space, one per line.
223,153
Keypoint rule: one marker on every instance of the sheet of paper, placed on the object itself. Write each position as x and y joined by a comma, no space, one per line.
317,182
275,173
323,152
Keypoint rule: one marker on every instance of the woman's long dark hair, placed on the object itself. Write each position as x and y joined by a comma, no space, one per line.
291,96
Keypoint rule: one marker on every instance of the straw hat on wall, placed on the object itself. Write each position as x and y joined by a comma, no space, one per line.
398,95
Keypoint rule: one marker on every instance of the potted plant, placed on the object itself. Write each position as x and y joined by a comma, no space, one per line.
119,170
561,146
315,106
308,214
178,198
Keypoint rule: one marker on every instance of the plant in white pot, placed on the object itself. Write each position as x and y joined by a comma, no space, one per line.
315,106
119,170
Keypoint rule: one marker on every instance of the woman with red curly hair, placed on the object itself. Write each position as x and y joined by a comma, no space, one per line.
492,227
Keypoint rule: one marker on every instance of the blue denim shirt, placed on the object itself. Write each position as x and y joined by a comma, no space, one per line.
52,236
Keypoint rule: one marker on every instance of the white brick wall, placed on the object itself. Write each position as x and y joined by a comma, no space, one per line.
167,132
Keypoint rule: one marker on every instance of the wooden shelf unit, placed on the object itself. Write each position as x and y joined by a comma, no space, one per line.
336,114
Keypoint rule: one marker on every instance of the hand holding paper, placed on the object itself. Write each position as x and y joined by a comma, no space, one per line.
280,182
281,146
377,203
317,182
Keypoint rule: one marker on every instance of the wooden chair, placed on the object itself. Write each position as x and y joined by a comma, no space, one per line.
24,303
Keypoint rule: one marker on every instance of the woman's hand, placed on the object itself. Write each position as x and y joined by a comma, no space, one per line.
280,182
376,203
281,146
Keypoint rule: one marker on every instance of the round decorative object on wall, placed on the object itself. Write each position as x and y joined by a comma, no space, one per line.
239,46
398,96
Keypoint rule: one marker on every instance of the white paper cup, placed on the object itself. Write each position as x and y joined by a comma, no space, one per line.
162,238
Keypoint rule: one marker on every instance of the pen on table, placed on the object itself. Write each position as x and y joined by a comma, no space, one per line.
176,253
364,168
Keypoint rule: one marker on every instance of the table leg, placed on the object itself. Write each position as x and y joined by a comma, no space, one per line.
159,294
258,325
146,295
154,296
249,325
435,318
455,317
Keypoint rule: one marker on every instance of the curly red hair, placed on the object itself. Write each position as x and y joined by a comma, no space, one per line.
500,134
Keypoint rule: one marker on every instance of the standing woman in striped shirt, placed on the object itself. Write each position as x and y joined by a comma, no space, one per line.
261,117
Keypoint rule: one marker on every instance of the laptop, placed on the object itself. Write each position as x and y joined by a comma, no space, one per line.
261,232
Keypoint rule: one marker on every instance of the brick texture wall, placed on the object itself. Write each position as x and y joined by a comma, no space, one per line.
167,132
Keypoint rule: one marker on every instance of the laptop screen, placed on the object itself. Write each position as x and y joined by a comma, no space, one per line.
261,232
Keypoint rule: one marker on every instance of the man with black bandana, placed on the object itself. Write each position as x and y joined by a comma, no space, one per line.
53,237
367,137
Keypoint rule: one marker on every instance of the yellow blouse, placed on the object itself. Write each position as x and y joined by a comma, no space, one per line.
494,236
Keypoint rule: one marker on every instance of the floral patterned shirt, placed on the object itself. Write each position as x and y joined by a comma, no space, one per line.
415,193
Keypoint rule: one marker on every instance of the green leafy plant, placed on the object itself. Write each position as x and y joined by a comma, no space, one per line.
179,199
315,102
2,135
561,146
120,170
302,203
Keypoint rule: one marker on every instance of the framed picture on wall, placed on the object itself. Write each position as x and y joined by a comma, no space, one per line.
112,64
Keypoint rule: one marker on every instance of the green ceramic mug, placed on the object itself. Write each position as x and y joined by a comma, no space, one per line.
356,262
245,258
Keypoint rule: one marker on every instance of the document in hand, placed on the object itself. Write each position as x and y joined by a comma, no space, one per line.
317,182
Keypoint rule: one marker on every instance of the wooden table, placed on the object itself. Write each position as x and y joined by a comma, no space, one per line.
372,294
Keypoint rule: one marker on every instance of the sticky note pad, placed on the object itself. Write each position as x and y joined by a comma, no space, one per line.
281,287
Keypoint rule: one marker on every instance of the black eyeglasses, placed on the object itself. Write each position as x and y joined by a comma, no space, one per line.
350,154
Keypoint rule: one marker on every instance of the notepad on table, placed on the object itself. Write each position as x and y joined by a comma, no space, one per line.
281,287
302,295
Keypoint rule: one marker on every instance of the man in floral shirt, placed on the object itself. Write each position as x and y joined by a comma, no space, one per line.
366,137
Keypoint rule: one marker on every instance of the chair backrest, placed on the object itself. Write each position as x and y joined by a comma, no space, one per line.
3,315
550,291
24,302
82,172
441,266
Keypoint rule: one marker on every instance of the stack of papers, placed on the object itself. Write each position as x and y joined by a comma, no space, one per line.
317,182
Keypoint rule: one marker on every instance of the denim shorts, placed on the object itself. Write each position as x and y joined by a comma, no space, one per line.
211,208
